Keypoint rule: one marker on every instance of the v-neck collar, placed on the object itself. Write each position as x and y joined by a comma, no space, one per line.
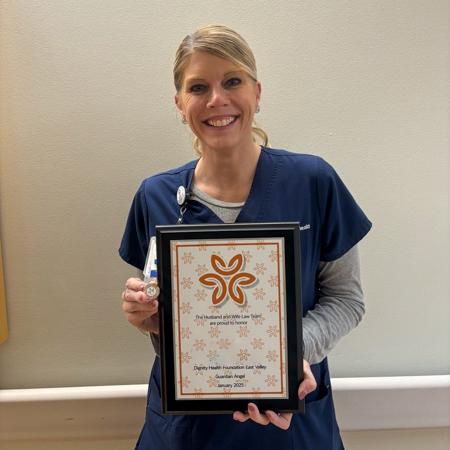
263,180
255,206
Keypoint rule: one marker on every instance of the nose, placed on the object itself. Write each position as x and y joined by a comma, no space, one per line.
218,97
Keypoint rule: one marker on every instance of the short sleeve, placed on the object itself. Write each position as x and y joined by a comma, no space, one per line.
134,245
342,222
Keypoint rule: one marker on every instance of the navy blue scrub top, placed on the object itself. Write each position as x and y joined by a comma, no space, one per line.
286,187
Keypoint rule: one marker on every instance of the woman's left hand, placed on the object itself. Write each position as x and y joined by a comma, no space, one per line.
281,420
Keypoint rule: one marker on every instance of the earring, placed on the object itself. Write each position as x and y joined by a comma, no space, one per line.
183,119
257,109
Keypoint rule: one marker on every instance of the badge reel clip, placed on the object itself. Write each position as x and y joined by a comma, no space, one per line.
151,271
181,200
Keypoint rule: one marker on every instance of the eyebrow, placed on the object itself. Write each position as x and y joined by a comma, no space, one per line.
194,78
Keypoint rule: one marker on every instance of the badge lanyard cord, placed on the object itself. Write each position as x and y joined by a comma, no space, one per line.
182,196
182,211
150,269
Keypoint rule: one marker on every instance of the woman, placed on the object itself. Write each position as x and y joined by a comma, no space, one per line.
237,180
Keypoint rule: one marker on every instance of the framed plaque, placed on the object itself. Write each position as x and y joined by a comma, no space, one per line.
230,317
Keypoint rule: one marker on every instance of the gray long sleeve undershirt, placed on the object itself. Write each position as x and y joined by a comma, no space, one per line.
339,309
340,306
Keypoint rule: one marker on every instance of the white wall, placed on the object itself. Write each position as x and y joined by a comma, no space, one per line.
87,112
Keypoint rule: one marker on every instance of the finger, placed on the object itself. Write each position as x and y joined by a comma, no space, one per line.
309,383
129,295
148,308
280,420
135,284
256,416
136,315
306,387
136,318
240,416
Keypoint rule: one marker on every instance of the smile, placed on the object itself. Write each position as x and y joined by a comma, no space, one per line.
219,123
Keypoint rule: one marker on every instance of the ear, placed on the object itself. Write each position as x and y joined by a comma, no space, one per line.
178,103
258,92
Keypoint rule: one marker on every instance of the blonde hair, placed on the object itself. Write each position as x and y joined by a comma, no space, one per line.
225,43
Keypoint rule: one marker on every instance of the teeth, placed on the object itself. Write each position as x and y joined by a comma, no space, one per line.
220,123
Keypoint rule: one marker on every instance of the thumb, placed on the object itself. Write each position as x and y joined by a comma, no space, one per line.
309,383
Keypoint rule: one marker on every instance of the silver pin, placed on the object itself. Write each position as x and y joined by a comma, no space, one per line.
152,290
151,271
181,195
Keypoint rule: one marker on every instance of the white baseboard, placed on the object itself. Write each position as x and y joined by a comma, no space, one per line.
392,402
117,412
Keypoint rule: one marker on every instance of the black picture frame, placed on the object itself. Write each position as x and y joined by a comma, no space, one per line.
168,238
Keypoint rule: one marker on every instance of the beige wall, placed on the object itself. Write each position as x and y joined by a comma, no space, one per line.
87,112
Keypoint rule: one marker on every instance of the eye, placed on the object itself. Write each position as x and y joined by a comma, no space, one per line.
233,82
197,88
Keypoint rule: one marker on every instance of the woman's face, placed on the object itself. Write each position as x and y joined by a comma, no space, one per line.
218,100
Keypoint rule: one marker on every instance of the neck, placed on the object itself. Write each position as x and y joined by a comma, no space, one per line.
227,175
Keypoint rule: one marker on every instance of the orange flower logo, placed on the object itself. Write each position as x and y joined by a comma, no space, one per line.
228,280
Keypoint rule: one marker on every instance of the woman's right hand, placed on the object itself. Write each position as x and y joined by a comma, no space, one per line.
140,310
